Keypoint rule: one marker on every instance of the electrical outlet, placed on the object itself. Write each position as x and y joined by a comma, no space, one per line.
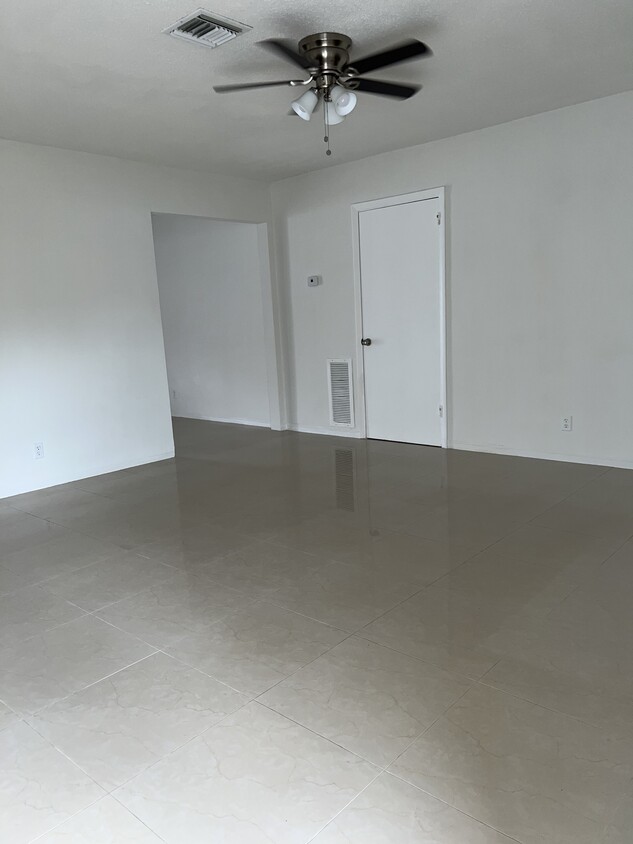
38,451
566,423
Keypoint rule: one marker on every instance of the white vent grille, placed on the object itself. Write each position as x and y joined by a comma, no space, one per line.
205,28
340,391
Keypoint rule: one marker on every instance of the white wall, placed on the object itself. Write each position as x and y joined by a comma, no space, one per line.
540,278
212,313
540,290
82,365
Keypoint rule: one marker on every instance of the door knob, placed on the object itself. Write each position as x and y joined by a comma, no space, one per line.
365,341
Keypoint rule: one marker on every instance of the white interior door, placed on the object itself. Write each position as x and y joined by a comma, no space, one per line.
401,313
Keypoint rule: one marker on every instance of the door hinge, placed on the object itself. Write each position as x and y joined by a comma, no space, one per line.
441,411
439,217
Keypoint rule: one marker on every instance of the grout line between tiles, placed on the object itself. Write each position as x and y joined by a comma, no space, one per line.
387,770
61,574
122,785
49,489
134,815
349,802
88,686
83,612
429,727
471,680
384,770
70,817
110,792
47,632
170,656
314,732
241,692
528,700
72,761
455,808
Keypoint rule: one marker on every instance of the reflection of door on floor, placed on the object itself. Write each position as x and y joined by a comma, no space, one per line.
400,249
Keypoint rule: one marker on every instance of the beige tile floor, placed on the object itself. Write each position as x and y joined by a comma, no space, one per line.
284,638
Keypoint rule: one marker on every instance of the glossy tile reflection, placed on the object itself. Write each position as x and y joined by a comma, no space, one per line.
123,724
527,771
39,787
105,822
391,810
256,777
367,698
287,638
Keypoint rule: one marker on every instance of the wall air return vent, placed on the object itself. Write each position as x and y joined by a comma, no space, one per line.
339,373
206,28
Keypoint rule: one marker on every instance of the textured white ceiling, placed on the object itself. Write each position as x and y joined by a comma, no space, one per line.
99,75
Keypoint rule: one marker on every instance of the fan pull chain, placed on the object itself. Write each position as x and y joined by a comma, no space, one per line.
326,125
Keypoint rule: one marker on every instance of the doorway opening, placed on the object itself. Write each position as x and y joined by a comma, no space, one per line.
399,268
216,310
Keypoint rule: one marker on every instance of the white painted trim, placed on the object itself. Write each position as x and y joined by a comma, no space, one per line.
275,370
250,422
100,469
359,380
328,432
272,332
443,321
386,202
119,467
588,460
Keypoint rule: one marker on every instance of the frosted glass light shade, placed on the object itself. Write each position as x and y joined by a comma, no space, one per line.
333,117
344,101
305,104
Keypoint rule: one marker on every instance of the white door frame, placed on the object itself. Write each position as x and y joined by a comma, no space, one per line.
386,202
272,331
273,351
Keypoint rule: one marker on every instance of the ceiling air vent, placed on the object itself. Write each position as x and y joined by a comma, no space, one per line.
205,28
340,391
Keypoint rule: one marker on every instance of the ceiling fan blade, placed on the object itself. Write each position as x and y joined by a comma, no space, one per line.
226,89
402,53
387,89
286,50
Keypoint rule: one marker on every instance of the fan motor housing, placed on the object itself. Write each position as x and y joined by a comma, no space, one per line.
326,51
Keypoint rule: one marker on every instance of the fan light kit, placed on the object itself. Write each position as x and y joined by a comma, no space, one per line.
333,78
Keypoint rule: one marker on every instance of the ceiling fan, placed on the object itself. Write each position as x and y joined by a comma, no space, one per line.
332,77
